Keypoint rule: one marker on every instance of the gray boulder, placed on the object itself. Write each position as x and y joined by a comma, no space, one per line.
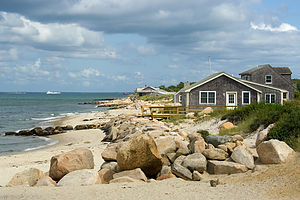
181,171
225,167
215,154
217,140
241,155
137,174
196,162
80,178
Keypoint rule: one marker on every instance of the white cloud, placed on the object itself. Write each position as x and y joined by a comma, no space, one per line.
33,70
10,54
85,73
120,78
173,66
284,27
146,50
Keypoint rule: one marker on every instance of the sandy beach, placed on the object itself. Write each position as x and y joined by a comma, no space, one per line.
272,182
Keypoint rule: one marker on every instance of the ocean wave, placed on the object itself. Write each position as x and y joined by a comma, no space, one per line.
46,118
42,146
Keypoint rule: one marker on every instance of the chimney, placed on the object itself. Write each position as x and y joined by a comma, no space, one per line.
186,84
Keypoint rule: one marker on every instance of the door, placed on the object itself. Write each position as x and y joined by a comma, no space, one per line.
231,100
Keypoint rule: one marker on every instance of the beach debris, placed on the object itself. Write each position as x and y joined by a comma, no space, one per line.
81,177
140,152
241,155
65,163
26,178
225,167
46,181
273,152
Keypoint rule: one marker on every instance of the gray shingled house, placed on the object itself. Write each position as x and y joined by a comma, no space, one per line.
263,83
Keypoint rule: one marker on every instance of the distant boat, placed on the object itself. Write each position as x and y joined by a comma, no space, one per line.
53,92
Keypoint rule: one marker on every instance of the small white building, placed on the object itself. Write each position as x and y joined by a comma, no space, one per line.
151,91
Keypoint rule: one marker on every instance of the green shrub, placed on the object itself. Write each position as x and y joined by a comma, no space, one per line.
203,133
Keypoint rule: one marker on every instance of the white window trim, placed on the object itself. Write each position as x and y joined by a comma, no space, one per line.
243,97
270,97
207,98
180,98
266,79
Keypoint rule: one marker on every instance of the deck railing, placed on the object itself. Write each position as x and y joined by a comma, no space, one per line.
168,111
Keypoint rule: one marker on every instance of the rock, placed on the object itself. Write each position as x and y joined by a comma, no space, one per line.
223,147
106,175
165,170
217,140
64,163
80,178
190,115
137,174
67,128
10,133
111,165
140,152
197,176
165,176
46,181
181,171
273,152
124,179
26,178
197,145
24,133
165,144
172,157
243,156
214,183
110,152
230,146
37,131
215,154
194,162
207,110
165,160
182,151
226,126
81,127
263,135
225,167
237,138
49,130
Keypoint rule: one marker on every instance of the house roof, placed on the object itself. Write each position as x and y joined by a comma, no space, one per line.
282,70
214,76
150,89
279,70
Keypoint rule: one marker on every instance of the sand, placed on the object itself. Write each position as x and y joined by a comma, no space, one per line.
273,182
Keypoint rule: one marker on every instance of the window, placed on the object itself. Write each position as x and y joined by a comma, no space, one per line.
246,97
180,98
284,96
268,79
270,98
246,77
208,97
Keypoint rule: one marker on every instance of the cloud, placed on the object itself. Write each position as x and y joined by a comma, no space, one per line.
284,27
120,78
9,54
144,50
85,73
173,66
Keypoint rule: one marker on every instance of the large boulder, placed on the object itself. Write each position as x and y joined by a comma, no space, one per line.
65,163
197,145
273,152
226,126
207,110
181,171
110,152
135,174
217,140
225,167
140,152
243,156
26,178
263,135
195,161
215,154
111,165
106,175
80,178
165,144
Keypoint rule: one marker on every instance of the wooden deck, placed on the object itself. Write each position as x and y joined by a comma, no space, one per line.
168,111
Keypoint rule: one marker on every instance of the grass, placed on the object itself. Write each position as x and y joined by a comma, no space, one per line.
167,98
286,118
218,113
176,119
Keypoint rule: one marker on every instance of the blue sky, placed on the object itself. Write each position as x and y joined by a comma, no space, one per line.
112,45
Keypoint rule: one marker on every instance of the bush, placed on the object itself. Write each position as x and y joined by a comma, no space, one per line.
203,133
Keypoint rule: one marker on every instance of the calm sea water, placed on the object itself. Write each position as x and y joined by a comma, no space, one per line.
27,110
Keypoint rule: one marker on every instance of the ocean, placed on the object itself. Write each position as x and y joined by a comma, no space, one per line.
19,111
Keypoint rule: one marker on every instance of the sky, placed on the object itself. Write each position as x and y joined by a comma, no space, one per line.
116,46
